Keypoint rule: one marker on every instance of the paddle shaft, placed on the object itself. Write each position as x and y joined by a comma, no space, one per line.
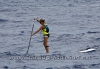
30,39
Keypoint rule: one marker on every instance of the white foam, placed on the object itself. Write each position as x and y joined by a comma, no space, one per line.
88,50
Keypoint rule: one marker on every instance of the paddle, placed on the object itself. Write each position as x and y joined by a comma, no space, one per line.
30,39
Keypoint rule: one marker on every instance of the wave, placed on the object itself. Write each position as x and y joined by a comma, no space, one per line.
3,20
23,67
66,37
97,39
94,65
75,66
8,54
7,10
93,32
5,67
81,66
62,37
16,21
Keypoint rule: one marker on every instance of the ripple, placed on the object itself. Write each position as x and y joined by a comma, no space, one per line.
78,66
87,16
4,54
70,37
93,32
98,39
65,67
16,21
63,36
5,67
3,20
7,10
49,68
94,65
96,46
22,33
7,53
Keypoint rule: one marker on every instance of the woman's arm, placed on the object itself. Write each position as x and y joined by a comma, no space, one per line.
37,19
37,31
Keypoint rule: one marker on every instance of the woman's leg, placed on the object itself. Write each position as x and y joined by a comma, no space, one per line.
46,44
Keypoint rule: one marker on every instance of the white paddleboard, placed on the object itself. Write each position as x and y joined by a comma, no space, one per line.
87,50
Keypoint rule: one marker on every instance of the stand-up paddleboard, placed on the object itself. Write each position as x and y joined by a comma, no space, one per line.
88,50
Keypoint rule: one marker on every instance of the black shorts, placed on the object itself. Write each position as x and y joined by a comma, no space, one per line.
47,35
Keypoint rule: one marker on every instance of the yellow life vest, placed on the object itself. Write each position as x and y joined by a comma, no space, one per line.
45,31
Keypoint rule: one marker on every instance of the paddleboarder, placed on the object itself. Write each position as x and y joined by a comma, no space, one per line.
45,31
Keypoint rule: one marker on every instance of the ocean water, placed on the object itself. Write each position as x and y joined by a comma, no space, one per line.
74,26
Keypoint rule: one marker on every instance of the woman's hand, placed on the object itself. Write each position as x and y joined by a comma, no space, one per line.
35,18
31,34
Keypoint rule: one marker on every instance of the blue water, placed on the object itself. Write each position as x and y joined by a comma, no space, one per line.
74,26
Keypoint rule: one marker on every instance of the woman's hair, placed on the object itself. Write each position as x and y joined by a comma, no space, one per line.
42,20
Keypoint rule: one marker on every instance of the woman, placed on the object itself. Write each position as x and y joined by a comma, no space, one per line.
45,31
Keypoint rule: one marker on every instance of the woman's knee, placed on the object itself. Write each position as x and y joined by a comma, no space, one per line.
45,44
